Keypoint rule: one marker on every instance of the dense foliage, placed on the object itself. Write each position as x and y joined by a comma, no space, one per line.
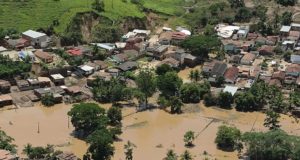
193,92
201,45
48,100
6,142
9,68
228,138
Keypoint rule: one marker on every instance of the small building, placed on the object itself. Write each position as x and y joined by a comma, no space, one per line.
190,60
86,70
295,26
248,59
230,89
44,82
3,49
128,66
244,71
295,59
280,75
101,64
5,100
120,58
254,72
4,86
235,59
231,75
266,50
23,85
44,56
219,69
171,62
141,32
165,38
242,32
57,79
294,35
34,83
37,39
131,54
73,90
159,51
292,70
208,66
287,44
290,80
284,31
57,93
252,36
231,48
178,37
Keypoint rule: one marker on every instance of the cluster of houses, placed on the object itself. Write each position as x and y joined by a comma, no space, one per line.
126,55
251,56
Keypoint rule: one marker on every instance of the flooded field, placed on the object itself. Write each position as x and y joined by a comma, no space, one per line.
153,132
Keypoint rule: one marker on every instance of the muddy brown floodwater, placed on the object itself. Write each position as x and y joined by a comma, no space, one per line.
153,132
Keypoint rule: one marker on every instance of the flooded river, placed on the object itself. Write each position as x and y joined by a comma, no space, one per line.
153,132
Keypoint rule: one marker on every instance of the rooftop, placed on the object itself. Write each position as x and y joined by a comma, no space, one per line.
33,34
231,89
285,29
57,76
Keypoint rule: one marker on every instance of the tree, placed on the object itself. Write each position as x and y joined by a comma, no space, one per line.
287,2
108,91
271,120
169,84
245,102
146,84
286,18
236,3
243,15
225,99
272,145
176,104
171,155
194,75
162,69
87,117
190,93
186,156
201,45
101,145
98,5
227,138
47,152
105,33
114,115
48,100
189,137
210,100
6,142
129,150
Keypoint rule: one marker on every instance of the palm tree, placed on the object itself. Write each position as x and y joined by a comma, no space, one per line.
129,150
192,75
186,156
171,155
189,137
196,75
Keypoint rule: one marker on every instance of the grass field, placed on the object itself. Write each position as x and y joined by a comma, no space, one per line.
170,7
34,14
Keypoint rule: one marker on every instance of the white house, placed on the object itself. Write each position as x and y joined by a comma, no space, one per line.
37,39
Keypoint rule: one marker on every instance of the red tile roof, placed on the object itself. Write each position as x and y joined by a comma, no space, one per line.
231,73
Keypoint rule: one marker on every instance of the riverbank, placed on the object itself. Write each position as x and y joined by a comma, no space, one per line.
153,131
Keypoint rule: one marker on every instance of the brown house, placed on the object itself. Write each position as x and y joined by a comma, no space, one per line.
5,100
231,75
266,50
44,56
4,86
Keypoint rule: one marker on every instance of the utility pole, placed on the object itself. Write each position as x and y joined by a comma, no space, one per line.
68,122
38,127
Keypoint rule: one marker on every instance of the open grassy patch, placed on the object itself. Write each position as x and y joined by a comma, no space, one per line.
34,14
170,7
118,9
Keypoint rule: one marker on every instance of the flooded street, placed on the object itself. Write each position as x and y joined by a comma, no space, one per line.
153,132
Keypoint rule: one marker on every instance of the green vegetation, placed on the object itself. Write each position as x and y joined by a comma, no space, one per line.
129,150
228,138
272,145
171,155
146,84
188,138
48,100
9,68
6,142
35,14
169,7
193,92
186,155
92,123
47,152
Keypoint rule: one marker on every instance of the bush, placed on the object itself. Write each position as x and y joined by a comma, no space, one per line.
227,138
48,100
